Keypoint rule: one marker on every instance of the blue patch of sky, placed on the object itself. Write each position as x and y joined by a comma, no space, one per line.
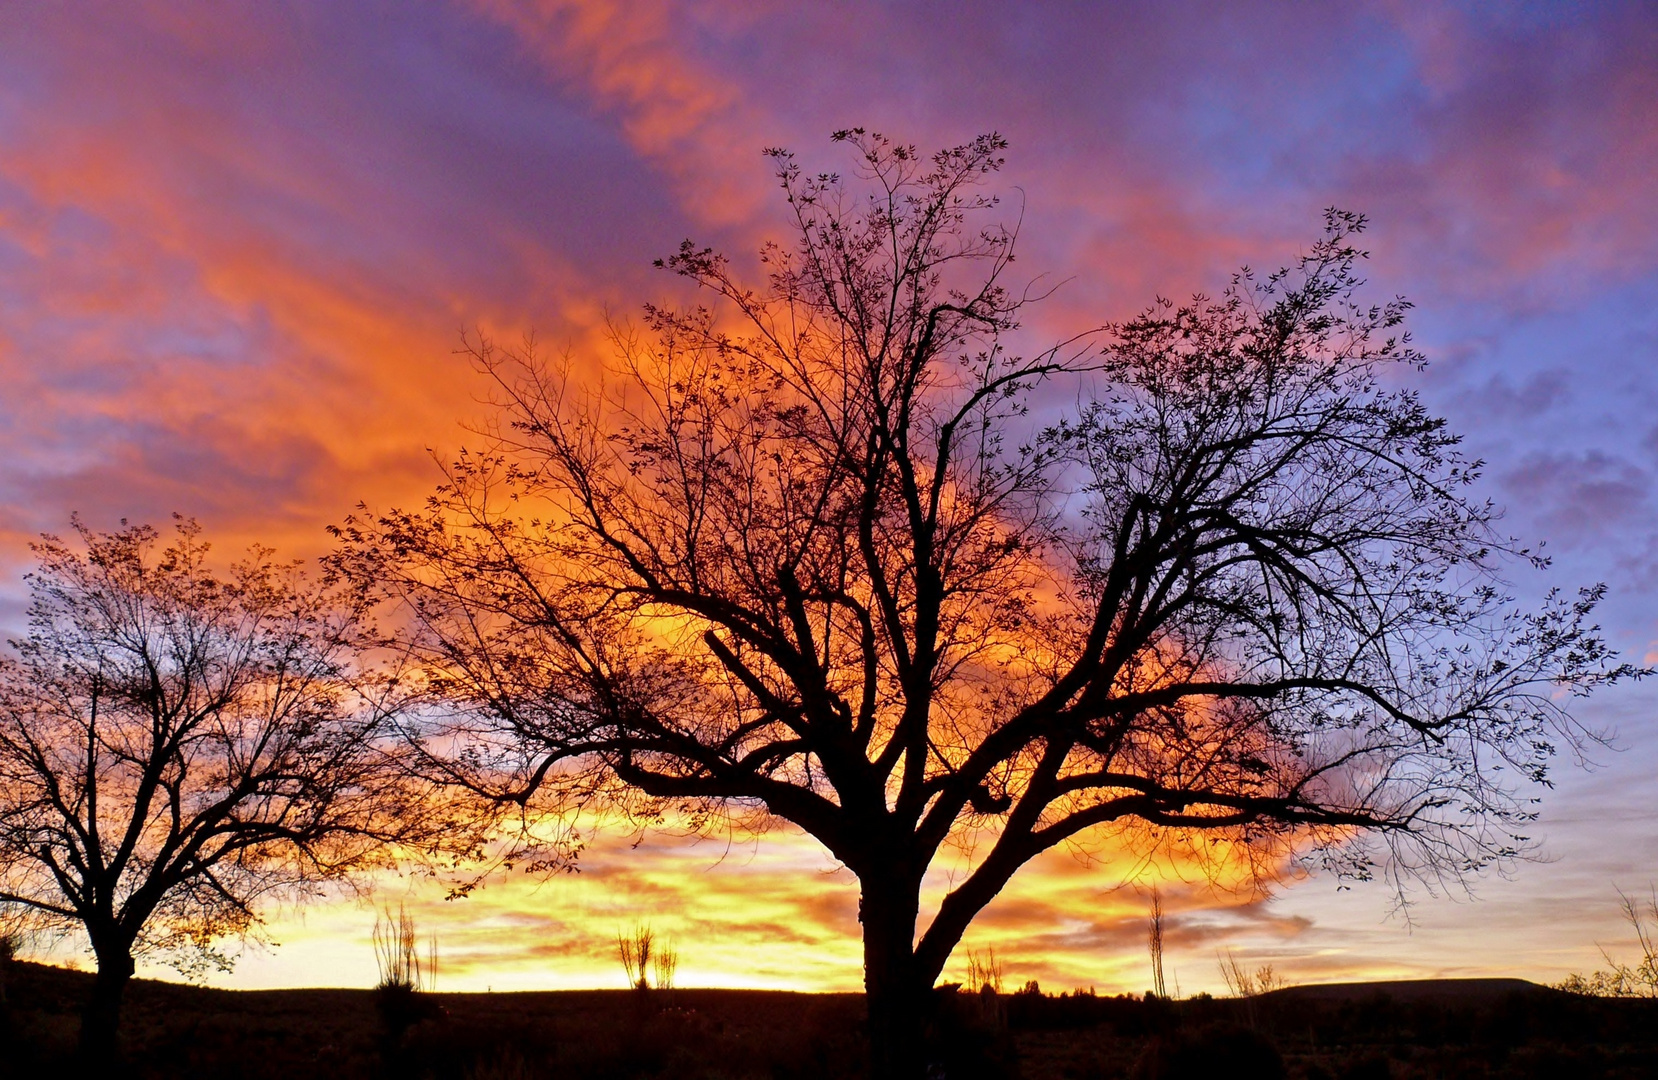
417,152
1533,15
1560,403
1286,121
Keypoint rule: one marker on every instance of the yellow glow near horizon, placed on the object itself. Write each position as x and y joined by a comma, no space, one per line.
776,913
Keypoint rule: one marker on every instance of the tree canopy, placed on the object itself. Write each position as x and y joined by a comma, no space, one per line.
805,551
177,747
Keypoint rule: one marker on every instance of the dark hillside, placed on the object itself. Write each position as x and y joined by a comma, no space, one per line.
1459,991
1487,1028
171,1030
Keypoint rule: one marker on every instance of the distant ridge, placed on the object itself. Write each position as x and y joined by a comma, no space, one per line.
67,983
1464,990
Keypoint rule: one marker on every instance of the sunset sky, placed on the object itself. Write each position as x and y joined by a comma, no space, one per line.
239,244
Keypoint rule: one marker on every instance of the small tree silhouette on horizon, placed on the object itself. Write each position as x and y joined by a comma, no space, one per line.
635,951
644,956
177,746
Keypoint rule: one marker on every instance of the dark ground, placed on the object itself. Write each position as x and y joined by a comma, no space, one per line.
1403,1031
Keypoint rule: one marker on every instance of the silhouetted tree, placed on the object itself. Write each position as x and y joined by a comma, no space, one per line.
176,747
805,553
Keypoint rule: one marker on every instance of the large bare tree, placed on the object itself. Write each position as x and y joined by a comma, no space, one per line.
176,747
805,552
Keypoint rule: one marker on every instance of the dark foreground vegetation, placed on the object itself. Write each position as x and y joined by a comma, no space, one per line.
1479,1028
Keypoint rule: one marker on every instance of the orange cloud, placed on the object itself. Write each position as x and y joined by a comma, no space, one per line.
777,914
636,61
213,323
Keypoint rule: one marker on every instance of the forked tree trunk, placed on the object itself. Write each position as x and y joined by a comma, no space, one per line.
897,994
101,1016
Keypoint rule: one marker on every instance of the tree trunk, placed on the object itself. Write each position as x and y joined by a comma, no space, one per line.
895,993
101,1017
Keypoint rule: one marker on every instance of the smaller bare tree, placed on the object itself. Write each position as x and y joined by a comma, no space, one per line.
635,951
177,747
